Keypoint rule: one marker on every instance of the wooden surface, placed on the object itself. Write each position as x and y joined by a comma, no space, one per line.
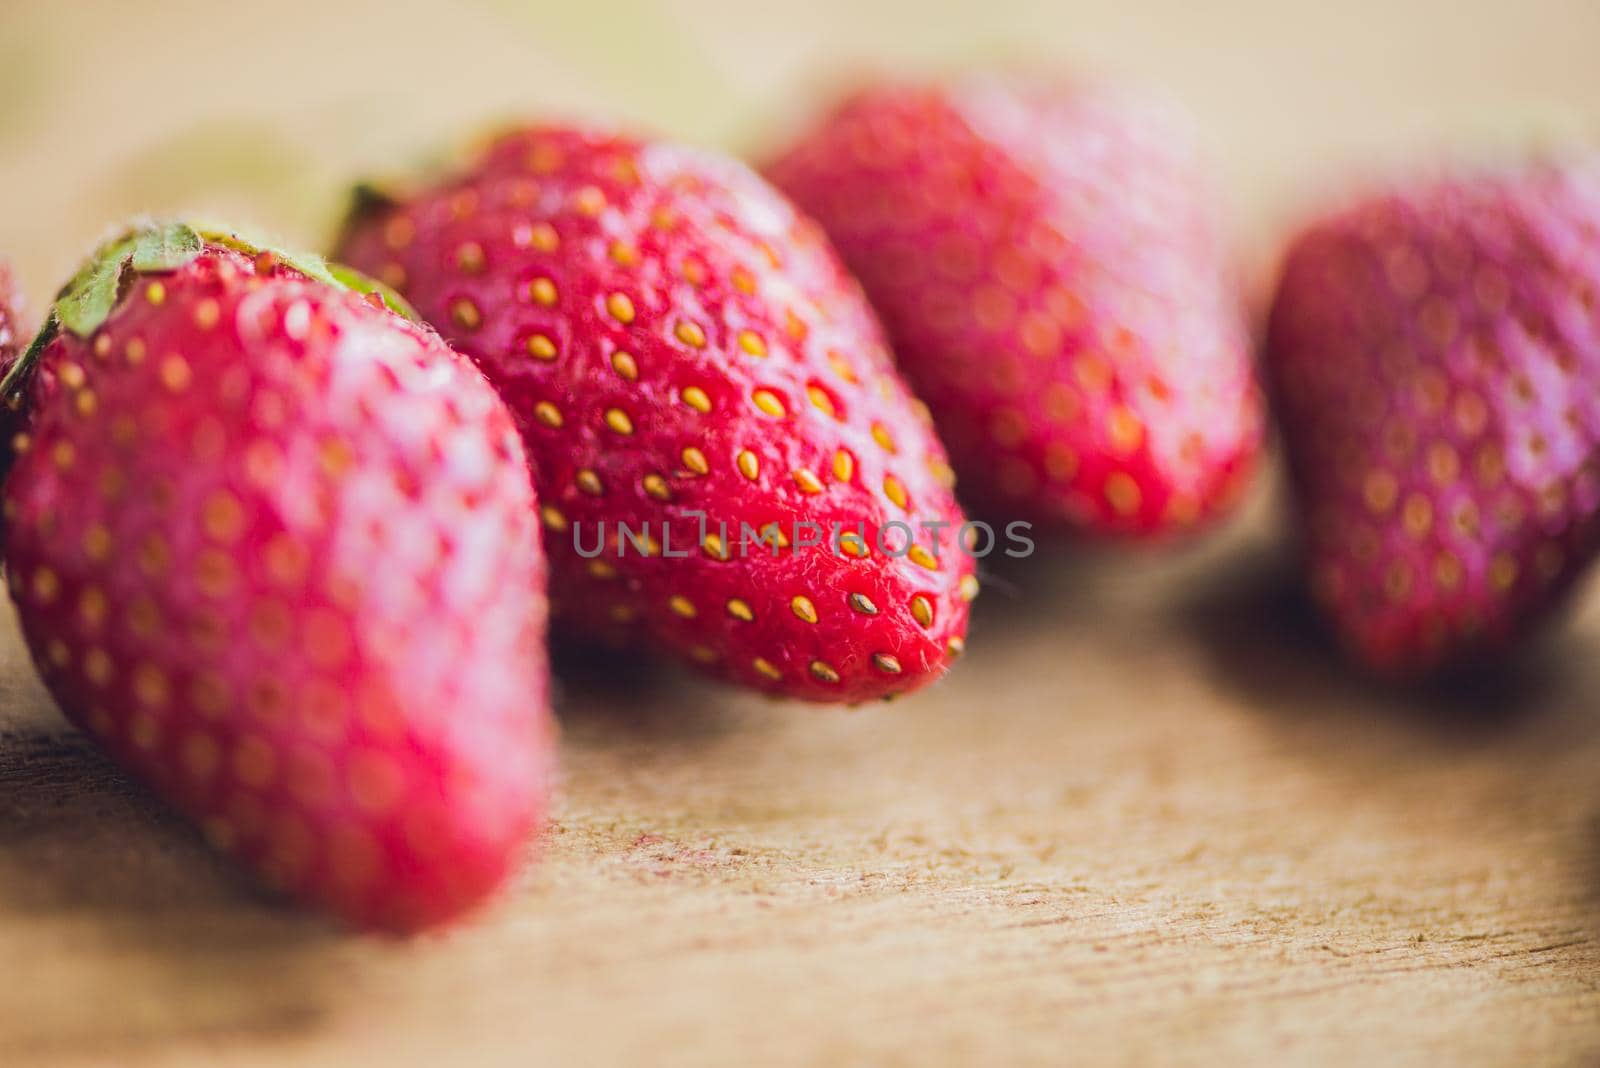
1150,819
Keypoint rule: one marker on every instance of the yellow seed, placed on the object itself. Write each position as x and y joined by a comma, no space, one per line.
923,558
803,608
223,517
842,368
625,365
765,667
824,671
97,666
922,610
751,343
695,460
1122,493
852,544
843,466
553,518
1380,490
895,491
703,654
92,606
620,307
589,200
822,401
956,646
681,606
1125,430
1093,373
602,570
71,376
886,663
86,402
1502,572
466,315
690,334
543,291
739,609
749,466
543,237
97,542
150,685
808,482
969,587
102,346
155,293
696,398
768,402
540,347
880,434
1417,516
470,258
623,613
589,482
135,351
548,414
623,254
175,373
657,487
618,420
714,547
45,585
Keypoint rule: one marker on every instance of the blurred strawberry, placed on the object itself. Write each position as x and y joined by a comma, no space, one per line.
1435,355
272,545
677,344
1047,263
10,340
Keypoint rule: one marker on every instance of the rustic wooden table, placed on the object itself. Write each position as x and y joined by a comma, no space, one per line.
1149,819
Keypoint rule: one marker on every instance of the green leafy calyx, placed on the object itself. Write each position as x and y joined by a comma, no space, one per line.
155,248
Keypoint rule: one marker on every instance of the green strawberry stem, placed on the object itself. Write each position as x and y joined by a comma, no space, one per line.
154,248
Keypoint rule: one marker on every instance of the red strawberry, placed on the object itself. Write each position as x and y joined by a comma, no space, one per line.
272,546
1047,264
8,315
675,341
1435,354
10,302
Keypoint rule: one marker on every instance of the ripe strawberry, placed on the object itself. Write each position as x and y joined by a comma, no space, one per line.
8,315
1435,355
675,341
10,339
272,546
1047,265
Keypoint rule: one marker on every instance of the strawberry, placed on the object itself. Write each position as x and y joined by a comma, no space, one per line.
1434,352
8,315
689,364
272,545
1046,261
10,334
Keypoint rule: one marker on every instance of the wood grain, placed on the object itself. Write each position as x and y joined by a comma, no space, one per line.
1150,818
